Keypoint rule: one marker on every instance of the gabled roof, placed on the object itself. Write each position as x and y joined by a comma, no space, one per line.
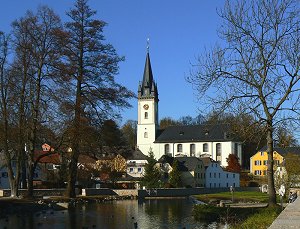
206,161
184,163
86,159
283,150
196,133
137,155
189,162
52,158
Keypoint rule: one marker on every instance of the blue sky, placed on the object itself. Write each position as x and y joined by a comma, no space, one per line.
178,32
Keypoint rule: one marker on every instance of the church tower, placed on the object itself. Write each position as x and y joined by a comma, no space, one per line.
147,110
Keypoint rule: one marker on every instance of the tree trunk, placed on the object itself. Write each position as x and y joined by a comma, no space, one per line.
271,186
72,177
30,173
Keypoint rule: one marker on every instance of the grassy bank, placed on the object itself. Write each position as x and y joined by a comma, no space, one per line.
237,217
237,196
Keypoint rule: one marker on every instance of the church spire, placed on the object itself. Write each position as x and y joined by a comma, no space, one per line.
147,88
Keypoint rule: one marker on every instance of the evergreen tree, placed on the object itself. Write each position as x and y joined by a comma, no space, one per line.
175,177
152,175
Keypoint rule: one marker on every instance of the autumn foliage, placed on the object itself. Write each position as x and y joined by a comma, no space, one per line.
233,164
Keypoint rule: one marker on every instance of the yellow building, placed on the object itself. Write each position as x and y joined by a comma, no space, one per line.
259,161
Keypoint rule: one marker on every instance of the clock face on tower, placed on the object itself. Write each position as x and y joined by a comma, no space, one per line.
146,106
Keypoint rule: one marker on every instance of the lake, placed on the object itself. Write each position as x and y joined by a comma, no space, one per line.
122,214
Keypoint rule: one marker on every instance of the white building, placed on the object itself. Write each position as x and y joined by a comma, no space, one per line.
214,140
136,164
216,177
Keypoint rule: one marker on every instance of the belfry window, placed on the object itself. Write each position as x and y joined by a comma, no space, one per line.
146,135
146,115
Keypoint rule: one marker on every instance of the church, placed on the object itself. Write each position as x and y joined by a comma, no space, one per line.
215,141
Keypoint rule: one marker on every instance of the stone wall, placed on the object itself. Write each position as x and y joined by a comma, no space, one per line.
36,192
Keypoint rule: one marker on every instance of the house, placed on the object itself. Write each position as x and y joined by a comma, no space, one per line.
259,161
47,166
192,170
136,164
192,141
216,177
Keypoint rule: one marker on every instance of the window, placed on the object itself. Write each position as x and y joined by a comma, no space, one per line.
265,172
218,149
146,135
192,150
257,172
219,175
4,174
233,175
131,170
227,175
257,162
139,170
261,153
179,148
205,147
35,175
146,115
265,162
210,175
276,162
227,185
214,175
167,148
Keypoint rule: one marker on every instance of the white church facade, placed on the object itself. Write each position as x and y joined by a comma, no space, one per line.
215,141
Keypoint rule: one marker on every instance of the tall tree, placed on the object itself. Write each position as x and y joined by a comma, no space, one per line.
5,117
151,178
175,176
44,51
284,137
111,134
166,122
292,166
91,66
129,130
256,69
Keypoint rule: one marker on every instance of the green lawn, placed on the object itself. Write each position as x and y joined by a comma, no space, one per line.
245,196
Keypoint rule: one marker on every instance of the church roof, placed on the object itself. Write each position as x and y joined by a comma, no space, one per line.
148,88
196,133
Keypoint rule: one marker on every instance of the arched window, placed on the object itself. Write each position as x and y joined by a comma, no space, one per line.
179,148
192,150
146,115
146,135
205,147
167,148
218,149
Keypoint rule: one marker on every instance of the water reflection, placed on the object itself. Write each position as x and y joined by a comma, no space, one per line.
149,214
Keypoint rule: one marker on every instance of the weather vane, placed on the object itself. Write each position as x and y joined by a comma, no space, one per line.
148,40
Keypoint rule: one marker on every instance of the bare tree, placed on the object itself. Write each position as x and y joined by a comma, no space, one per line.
256,68
37,50
6,120
92,65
